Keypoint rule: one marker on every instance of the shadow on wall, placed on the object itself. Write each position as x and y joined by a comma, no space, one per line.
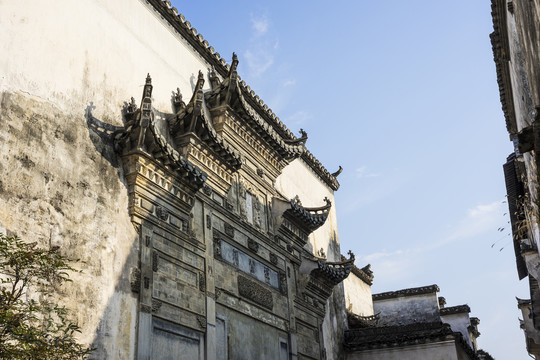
116,330
102,134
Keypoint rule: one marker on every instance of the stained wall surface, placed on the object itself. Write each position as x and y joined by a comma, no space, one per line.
405,310
358,296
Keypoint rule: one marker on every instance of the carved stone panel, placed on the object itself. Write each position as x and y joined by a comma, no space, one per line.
255,292
247,264
135,280
229,230
253,246
273,258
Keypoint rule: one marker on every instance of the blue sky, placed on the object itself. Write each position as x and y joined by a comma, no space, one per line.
403,95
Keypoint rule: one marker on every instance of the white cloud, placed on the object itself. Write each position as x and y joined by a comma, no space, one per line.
259,25
363,173
297,119
380,255
289,82
479,220
392,266
259,55
258,60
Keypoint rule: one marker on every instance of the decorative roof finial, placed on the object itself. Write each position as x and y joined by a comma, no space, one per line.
178,102
328,203
148,79
178,95
132,106
200,82
234,64
214,79
337,172
351,255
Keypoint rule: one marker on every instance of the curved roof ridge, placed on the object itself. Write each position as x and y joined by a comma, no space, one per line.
320,170
180,23
196,39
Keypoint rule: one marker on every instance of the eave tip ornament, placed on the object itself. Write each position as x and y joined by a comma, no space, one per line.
336,174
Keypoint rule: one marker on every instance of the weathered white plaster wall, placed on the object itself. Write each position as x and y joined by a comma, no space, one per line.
358,296
299,179
407,309
77,52
439,351
459,323
61,64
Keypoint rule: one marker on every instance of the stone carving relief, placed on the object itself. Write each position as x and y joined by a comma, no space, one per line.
253,246
154,261
208,222
156,305
235,257
282,283
217,247
255,292
202,321
273,258
229,230
257,207
162,213
146,282
207,190
202,282
135,280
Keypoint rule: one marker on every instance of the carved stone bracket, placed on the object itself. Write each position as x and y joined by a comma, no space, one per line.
202,321
146,308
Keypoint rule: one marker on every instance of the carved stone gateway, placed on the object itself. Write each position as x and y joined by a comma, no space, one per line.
219,243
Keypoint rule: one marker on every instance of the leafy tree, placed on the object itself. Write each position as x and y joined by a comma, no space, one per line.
32,325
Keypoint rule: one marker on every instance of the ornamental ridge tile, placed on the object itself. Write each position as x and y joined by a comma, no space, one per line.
459,309
406,292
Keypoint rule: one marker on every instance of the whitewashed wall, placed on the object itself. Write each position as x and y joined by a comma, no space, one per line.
358,296
60,183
